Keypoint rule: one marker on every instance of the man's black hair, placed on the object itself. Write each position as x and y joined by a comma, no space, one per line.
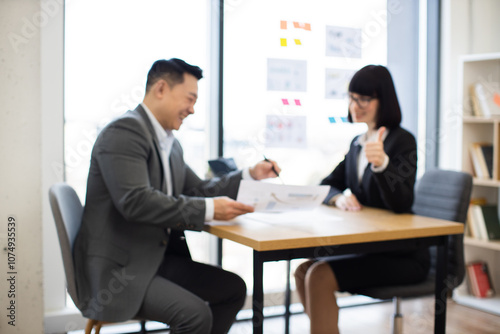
172,71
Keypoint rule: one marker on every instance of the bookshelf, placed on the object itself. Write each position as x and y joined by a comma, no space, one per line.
484,68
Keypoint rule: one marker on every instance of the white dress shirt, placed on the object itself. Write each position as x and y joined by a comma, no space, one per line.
166,140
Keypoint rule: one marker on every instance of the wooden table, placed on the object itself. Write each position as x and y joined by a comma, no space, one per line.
367,231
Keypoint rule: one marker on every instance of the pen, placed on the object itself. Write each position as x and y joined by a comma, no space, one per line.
274,169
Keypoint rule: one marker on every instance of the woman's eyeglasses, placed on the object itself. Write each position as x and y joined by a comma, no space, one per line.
362,101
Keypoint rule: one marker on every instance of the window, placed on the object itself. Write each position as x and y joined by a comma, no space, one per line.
287,65
109,48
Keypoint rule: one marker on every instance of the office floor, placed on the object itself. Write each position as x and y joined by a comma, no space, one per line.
375,319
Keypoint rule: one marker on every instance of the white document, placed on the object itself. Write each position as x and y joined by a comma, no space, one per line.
277,198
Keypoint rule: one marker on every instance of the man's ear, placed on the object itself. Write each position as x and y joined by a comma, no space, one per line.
161,88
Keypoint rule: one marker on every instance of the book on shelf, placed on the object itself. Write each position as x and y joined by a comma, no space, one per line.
471,224
479,280
485,101
477,224
482,159
474,102
491,221
483,221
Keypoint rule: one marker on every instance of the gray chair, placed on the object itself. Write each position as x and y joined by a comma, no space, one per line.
67,211
439,194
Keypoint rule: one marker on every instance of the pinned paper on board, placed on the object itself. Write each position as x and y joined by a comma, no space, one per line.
286,131
286,75
343,42
337,83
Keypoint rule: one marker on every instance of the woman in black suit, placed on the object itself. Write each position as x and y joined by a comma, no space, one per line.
378,171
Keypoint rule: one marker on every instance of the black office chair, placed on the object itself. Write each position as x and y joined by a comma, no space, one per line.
439,194
67,211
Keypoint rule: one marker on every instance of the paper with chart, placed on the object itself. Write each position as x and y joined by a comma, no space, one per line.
272,197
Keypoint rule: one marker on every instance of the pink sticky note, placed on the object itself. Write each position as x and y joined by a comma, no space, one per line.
297,103
285,102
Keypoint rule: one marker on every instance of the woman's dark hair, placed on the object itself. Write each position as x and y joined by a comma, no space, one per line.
171,71
376,81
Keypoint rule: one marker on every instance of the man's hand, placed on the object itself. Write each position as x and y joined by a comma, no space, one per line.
374,151
226,208
264,170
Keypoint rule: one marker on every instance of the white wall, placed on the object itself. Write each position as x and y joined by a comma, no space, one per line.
468,27
20,166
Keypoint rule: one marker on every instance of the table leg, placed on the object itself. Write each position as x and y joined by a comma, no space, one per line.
287,298
258,293
219,251
441,292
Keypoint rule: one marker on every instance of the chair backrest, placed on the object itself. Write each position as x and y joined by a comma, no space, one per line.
446,194
67,211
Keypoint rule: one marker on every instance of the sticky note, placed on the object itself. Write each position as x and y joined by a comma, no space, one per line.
297,42
299,25
496,99
283,41
297,102
285,102
283,24
338,119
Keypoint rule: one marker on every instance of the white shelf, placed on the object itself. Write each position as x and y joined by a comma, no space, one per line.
493,245
483,68
486,182
490,304
480,57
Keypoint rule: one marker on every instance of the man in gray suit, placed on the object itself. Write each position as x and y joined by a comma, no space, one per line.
131,256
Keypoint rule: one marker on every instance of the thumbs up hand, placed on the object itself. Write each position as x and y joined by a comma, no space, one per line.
374,151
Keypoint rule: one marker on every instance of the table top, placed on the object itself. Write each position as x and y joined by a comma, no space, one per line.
328,226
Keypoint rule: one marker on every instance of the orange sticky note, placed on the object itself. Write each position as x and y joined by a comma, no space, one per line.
297,42
300,25
283,24
496,99
283,41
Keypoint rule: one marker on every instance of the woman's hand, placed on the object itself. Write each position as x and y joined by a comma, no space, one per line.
348,202
374,151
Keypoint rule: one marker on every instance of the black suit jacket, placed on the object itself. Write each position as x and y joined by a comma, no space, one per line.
129,221
391,189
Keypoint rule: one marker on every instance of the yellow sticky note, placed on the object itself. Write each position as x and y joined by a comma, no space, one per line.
283,41
297,42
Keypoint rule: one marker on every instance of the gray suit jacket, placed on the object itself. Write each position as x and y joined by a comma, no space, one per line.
128,216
